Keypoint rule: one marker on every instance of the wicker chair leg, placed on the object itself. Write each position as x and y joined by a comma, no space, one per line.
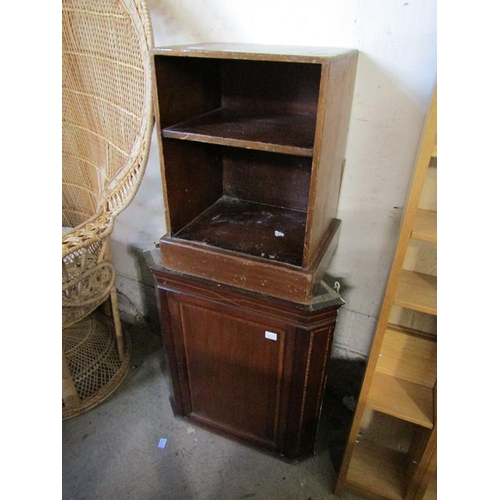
117,322
69,394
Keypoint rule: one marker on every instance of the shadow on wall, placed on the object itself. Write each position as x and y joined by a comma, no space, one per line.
136,291
345,377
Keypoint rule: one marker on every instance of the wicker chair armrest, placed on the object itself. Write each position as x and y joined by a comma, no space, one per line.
122,190
94,229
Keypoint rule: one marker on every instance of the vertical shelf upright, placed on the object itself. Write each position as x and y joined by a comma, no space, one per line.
391,449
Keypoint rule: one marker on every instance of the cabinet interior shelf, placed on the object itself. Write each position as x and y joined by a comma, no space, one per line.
377,470
256,229
402,399
417,291
425,226
408,355
274,132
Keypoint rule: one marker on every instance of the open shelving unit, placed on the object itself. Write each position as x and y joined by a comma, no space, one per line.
252,141
392,446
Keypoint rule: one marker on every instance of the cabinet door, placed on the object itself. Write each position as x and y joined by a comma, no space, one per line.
233,369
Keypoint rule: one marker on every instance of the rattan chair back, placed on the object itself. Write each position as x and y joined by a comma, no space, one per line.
106,102
107,123
106,134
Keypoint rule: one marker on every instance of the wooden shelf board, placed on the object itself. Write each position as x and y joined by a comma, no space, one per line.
408,355
417,291
256,229
435,151
402,399
376,470
279,133
425,226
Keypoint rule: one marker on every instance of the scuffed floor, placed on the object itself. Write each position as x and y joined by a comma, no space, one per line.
112,452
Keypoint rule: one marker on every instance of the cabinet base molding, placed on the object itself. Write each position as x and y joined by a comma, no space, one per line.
254,274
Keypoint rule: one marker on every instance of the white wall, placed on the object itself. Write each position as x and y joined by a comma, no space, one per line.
395,79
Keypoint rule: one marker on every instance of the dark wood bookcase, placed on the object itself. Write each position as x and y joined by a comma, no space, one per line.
252,141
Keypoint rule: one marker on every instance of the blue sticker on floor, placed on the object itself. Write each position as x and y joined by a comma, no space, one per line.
162,442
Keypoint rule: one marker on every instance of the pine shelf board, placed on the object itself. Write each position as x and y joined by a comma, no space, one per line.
376,470
408,355
402,399
425,226
435,151
417,291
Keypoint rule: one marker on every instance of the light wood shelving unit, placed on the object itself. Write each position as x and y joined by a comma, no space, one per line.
391,450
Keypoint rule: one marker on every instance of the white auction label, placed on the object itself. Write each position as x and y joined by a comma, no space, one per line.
271,336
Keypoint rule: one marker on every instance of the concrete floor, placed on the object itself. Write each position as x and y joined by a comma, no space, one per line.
111,452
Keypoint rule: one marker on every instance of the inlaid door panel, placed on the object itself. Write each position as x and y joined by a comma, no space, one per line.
234,368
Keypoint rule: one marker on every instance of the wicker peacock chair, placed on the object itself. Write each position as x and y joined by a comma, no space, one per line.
106,135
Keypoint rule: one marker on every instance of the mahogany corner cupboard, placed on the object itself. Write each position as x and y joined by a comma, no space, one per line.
244,365
252,141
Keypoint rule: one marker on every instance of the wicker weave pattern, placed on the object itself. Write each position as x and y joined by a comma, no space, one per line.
107,124
107,121
94,363
107,108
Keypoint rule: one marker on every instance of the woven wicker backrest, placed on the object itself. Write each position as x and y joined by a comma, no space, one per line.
106,101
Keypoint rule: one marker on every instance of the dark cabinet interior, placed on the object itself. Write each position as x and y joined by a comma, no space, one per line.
256,104
254,124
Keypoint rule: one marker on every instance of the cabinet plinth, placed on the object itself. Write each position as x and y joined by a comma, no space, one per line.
247,366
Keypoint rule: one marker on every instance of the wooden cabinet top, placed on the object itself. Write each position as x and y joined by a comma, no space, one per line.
255,51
